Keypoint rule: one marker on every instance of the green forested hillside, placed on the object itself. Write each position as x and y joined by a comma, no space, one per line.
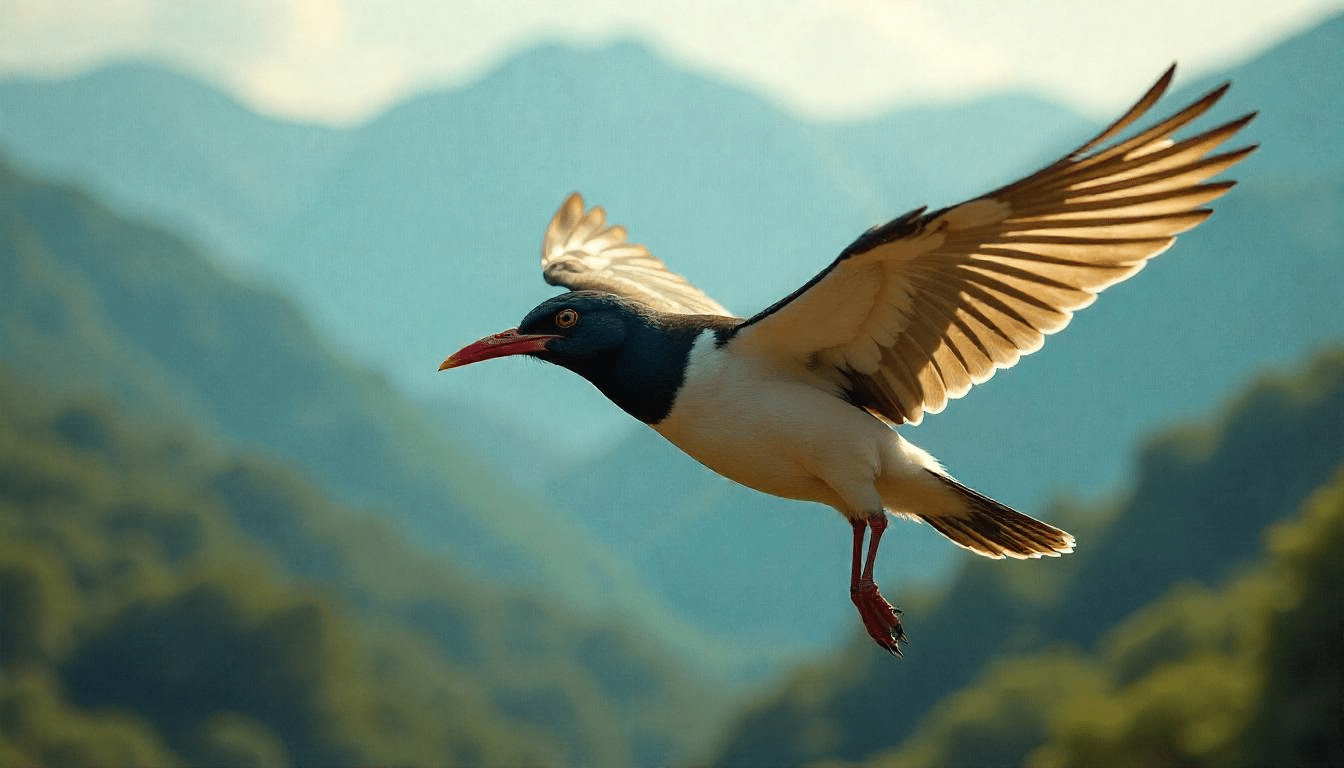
92,302
165,602
178,582
1248,674
1195,514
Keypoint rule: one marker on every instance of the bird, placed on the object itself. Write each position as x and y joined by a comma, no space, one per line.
802,400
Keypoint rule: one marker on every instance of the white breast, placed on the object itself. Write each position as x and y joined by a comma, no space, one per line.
778,433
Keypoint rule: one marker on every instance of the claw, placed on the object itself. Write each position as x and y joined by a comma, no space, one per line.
880,619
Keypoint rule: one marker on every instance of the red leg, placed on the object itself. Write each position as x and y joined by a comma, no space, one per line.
860,527
878,525
881,620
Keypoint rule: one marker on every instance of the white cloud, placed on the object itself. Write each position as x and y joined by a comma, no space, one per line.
342,59
53,37
843,56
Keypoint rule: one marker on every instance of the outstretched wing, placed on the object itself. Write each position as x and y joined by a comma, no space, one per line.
918,310
581,252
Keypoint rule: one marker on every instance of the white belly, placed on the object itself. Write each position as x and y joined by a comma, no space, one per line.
784,436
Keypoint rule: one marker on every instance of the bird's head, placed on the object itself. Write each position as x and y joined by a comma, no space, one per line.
570,330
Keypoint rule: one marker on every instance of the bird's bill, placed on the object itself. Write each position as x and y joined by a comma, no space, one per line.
501,344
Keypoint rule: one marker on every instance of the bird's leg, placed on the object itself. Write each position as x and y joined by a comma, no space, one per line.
860,527
881,620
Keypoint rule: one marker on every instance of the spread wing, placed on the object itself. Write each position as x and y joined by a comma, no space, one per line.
580,252
918,310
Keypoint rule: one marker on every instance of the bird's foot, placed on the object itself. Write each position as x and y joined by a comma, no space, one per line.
882,621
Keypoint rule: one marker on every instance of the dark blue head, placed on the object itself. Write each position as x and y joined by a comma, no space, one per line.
633,354
587,327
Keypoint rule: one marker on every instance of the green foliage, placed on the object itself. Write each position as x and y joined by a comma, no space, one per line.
1194,518
165,602
41,729
1006,713
1252,674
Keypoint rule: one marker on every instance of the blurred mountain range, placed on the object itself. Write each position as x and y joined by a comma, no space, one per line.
412,234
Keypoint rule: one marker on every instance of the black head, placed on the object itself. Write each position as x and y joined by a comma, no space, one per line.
567,329
588,328
633,354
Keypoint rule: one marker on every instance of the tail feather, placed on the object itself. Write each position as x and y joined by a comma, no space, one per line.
989,528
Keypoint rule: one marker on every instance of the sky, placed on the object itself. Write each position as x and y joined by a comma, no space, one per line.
343,61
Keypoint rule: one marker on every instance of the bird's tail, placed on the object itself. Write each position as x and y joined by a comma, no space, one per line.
989,528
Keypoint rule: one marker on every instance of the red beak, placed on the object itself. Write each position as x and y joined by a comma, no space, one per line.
501,344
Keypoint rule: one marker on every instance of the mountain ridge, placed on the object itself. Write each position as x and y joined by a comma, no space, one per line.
421,231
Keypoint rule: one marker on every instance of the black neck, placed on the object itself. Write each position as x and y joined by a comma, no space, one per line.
644,374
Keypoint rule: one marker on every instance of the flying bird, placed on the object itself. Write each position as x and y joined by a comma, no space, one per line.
801,400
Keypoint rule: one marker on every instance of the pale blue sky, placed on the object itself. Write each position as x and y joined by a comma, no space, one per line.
343,60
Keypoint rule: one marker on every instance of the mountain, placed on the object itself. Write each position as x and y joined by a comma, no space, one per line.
93,303
441,203
410,235
381,229
1294,86
391,205
1202,497
166,601
163,145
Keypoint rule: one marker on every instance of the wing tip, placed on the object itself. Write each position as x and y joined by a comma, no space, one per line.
1136,110
1165,79
577,236
1241,122
568,224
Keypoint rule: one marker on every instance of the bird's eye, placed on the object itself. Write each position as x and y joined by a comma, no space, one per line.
566,318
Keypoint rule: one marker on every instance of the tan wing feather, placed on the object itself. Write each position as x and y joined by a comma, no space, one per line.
581,252
908,322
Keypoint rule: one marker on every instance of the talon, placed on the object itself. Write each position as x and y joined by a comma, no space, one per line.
880,619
